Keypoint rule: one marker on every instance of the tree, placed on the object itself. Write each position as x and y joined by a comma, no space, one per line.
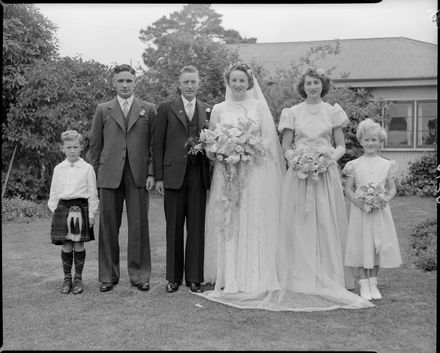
193,36
193,21
60,94
27,37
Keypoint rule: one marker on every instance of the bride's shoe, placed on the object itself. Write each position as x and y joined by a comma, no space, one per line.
365,288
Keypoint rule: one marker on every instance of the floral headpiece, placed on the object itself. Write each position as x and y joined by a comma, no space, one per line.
241,66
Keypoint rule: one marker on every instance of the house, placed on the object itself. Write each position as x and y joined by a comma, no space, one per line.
397,69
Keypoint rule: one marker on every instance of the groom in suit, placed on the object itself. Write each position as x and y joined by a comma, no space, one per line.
183,179
120,152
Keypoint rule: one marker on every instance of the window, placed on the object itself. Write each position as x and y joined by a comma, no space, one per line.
398,122
411,125
426,123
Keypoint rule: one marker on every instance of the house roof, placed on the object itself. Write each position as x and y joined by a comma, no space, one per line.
396,58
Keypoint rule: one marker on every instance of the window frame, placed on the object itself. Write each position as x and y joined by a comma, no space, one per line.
416,118
410,147
415,146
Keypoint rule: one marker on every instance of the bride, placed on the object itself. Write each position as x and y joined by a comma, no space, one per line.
245,248
241,258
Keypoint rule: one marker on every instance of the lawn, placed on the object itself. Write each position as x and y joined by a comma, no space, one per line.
37,317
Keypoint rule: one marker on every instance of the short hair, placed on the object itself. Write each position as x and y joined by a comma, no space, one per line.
370,125
316,73
240,67
71,135
121,68
188,68
432,124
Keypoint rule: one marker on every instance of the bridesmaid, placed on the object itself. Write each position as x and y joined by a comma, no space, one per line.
313,212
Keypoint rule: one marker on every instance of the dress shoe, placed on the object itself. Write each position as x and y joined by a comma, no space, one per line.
67,286
172,287
106,286
77,286
365,289
143,286
196,287
375,294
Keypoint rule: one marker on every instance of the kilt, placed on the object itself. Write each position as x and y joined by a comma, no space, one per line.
59,229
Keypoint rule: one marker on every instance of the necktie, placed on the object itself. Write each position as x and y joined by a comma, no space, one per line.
125,108
189,110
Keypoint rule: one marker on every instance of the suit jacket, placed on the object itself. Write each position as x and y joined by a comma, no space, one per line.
111,142
169,139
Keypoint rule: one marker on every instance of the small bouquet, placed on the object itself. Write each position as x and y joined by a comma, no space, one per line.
193,145
372,195
309,162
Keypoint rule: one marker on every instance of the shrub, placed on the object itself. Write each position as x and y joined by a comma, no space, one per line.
423,242
421,178
19,208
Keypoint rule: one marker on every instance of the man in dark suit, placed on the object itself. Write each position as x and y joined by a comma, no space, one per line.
120,152
183,179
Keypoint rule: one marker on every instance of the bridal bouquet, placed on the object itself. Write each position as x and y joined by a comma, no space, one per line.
231,143
372,195
235,146
309,162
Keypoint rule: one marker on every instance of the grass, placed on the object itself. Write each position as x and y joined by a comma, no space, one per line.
37,317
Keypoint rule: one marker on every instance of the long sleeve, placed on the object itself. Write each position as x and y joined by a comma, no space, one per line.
96,140
215,117
52,203
159,137
93,192
152,123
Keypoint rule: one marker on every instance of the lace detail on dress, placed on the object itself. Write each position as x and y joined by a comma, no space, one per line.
338,116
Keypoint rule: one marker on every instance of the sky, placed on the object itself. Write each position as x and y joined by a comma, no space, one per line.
109,33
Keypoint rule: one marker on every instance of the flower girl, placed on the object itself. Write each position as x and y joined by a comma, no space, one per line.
370,186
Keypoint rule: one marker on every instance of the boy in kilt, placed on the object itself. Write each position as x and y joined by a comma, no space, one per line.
74,203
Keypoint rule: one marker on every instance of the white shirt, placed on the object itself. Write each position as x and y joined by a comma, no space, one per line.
185,104
122,100
73,181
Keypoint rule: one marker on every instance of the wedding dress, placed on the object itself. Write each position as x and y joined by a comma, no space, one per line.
246,257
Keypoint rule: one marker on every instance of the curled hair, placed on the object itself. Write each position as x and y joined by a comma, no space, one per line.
370,125
316,73
189,68
240,67
121,68
71,135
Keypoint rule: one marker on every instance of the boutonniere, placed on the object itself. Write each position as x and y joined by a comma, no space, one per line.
208,110
142,112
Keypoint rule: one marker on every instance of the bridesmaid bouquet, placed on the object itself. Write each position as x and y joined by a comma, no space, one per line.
309,162
372,195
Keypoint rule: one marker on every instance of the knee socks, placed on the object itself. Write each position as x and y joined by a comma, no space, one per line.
79,257
67,258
